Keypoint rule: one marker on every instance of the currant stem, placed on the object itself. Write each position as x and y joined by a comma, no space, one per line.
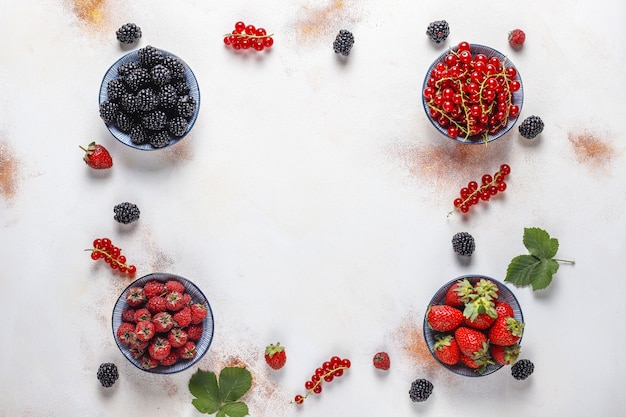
243,35
478,191
119,264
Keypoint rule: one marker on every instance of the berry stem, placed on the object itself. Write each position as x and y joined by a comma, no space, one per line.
565,261
108,255
478,191
243,35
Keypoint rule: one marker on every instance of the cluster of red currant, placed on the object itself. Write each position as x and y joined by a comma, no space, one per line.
104,249
248,37
472,194
327,372
471,95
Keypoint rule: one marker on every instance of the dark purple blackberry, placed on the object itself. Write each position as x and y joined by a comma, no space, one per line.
107,374
138,135
176,67
124,122
147,99
137,79
126,213
186,106
531,127
108,111
522,369
150,56
128,33
160,75
420,390
438,31
129,103
155,120
160,139
127,67
177,126
343,42
463,244
168,96
116,89
182,88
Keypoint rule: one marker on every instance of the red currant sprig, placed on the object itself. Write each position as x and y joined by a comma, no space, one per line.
248,37
473,194
104,249
326,373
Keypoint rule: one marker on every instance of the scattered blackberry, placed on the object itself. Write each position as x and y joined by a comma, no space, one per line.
438,31
128,33
126,212
343,42
138,135
147,99
150,56
168,97
186,106
108,111
182,88
522,369
127,67
129,103
116,89
124,122
178,126
107,374
531,127
160,75
463,244
420,390
137,79
176,67
155,120
160,139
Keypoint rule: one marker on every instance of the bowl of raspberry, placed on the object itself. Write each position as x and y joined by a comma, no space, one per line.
472,94
163,323
474,325
149,99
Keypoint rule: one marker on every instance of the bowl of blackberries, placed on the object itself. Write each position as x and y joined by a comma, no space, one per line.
474,325
472,93
163,323
149,99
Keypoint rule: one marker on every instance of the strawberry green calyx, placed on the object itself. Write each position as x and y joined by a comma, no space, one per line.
272,349
511,353
89,150
482,305
465,290
514,326
486,289
442,341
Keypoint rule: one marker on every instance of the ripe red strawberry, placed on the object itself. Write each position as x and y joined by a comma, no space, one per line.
125,333
194,331
97,157
135,296
163,322
198,312
459,293
506,331
144,330
187,351
517,38
159,348
471,342
156,305
177,337
170,359
447,350
148,362
154,288
174,286
183,317
481,322
504,309
275,356
381,361
174,301
142,314
128,315
505,355
443,318
479,364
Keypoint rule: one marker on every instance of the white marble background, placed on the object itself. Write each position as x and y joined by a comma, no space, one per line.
309,203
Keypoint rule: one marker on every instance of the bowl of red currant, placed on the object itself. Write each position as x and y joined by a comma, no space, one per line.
472,94
163,323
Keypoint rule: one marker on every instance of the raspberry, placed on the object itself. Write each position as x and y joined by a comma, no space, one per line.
438,31
128,33
343,42
517,38
531,127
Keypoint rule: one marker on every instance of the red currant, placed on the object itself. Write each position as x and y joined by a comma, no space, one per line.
308,385
240,27
317,389
298,399
505,169
463,46
501,186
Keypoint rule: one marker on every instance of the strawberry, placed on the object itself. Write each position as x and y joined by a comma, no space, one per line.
194,331
516,38
159,348
135,296
198,312
443,318
174,286
177,337
480,364
125,333
144,330
381,361
459,293
183,317
154,288
506,331
148,362
170,359
156,305
471,342
187,351
481,322
447,350
275,356
505,355
174,301
504,309
486,289
163,322
128,315
97,157
142,314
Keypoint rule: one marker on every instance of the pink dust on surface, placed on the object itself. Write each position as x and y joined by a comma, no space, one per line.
321,23
9,167
592,149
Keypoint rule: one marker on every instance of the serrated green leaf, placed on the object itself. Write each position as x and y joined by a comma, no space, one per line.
543,273
234,383
539,243
527,270
203,386
220,413
235,409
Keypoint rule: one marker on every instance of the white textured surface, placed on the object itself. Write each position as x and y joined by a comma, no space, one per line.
309,203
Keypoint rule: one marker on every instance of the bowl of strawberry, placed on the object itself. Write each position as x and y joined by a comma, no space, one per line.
474,325
162,323
472,93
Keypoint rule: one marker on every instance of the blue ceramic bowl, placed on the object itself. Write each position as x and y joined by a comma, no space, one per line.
518,96
202,345
111,74
505,294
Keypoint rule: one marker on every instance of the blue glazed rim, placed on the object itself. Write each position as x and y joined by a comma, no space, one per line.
505,294
197,296
111,74
518,96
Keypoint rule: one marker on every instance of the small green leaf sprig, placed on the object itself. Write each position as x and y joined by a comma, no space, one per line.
537,268
221,398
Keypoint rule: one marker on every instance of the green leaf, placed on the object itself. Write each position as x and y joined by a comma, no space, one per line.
203,386
527,270
539,243
234,383
235,409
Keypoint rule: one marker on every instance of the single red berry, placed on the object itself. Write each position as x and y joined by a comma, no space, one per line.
275,356
381,361
516,38
97,156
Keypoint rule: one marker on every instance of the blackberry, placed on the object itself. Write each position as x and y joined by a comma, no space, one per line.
463,244
438,31
128,33
127,67
126,213
147,99
137,79
420,390
182,88
176,67
150,56
138,135
531,127
129,103
186,106
124,122
108,111
522,369
343,42
107,374
116,89
159,139
155,120
160,75
178,126
168,97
